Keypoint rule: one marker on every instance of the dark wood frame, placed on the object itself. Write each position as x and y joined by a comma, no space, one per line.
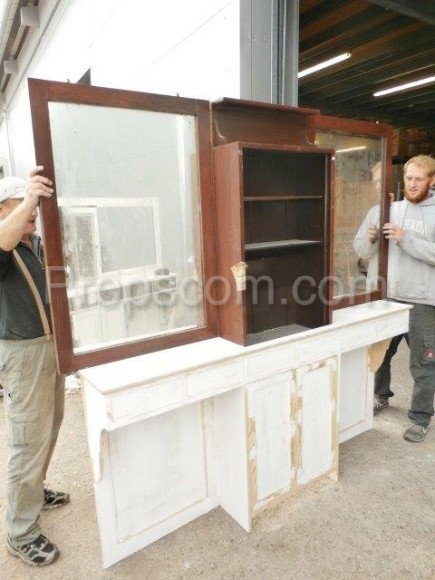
366,129
41,93
267,123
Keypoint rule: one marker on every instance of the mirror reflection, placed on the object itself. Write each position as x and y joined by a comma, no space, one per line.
127,184
359,179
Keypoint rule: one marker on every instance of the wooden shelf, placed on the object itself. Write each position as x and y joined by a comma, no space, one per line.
280,244
275,333
282,198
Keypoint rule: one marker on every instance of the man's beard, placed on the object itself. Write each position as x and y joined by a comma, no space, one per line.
416,197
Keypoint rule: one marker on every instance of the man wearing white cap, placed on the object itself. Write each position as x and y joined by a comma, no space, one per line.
33,389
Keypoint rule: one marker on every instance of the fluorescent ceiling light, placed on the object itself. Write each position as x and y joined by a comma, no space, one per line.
324,64
359,148
405,86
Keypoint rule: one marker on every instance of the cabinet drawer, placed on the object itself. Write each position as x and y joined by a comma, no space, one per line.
393,325
145,400
217,378
318,348
268,362
358,336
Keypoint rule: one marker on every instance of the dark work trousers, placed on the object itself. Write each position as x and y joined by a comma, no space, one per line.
383,374
422,346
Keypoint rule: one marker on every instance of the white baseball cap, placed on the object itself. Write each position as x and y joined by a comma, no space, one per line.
12,188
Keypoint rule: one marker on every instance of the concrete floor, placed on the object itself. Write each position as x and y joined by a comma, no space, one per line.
377,521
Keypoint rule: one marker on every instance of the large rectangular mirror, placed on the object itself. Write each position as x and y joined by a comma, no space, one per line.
127,230
361,181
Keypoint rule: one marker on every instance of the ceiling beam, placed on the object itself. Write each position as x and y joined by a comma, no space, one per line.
422,10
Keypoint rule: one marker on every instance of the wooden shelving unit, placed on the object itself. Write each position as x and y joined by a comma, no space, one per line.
273,215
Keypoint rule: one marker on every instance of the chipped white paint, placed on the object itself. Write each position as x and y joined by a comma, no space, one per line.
176,433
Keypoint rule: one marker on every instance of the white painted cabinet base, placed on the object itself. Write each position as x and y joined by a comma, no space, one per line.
174,434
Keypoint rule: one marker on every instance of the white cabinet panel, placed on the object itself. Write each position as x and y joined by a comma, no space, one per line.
270,425
356,394
319,441
169,475
231,451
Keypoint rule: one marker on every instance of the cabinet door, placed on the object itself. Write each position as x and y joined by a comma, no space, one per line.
271,428
293,430
317,389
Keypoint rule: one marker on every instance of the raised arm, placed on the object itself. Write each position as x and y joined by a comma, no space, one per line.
14,221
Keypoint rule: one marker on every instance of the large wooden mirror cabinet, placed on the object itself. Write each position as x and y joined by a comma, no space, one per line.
176,220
